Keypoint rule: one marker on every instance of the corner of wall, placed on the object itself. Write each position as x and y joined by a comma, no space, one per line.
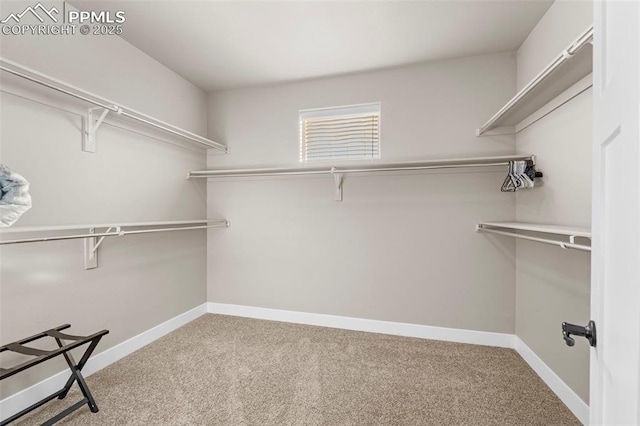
552,285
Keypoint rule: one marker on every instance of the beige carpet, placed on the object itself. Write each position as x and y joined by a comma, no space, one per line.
220,370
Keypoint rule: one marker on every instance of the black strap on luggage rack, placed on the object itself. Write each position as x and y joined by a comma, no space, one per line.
44,355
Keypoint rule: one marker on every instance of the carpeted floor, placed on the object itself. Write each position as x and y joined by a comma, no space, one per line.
220,370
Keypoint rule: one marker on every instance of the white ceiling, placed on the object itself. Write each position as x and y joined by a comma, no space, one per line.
225,44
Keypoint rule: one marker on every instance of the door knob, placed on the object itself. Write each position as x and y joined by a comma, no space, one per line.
589,332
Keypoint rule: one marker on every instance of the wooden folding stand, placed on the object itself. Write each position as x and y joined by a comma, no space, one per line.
44,355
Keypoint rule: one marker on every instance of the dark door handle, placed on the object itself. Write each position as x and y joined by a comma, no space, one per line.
577,330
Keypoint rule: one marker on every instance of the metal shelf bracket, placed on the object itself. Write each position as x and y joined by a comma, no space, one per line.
91,125
90,255
115,229
337,180
91,246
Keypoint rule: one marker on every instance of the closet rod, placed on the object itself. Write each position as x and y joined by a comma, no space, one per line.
221,224
68,89
581,41
383,167
561,244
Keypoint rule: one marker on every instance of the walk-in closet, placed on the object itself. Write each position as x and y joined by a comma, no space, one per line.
319,213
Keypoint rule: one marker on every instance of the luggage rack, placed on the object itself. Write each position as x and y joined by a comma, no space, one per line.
41,355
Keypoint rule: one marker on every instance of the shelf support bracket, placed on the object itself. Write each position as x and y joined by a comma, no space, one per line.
337,180
90,255
96,245
91,246
91,123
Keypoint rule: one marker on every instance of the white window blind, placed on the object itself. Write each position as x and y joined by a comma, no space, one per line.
346,132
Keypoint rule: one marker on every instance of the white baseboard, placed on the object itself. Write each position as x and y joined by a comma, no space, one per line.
577,406
20,400
502,340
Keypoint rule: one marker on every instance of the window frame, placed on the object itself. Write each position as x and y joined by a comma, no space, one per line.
354,110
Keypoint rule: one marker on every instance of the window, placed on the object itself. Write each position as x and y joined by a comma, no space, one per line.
346,132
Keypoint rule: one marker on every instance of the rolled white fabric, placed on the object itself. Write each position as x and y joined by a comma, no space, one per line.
14,196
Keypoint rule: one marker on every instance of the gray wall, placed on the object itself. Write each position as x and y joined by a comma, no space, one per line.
141,281
553,284
399,247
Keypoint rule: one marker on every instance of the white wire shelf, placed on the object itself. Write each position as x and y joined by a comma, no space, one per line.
363,168
93,238
569,67
576,231
510,229
23,229
106,104
112,230
339,172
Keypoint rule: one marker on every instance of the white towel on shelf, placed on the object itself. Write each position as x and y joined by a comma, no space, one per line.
14,196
